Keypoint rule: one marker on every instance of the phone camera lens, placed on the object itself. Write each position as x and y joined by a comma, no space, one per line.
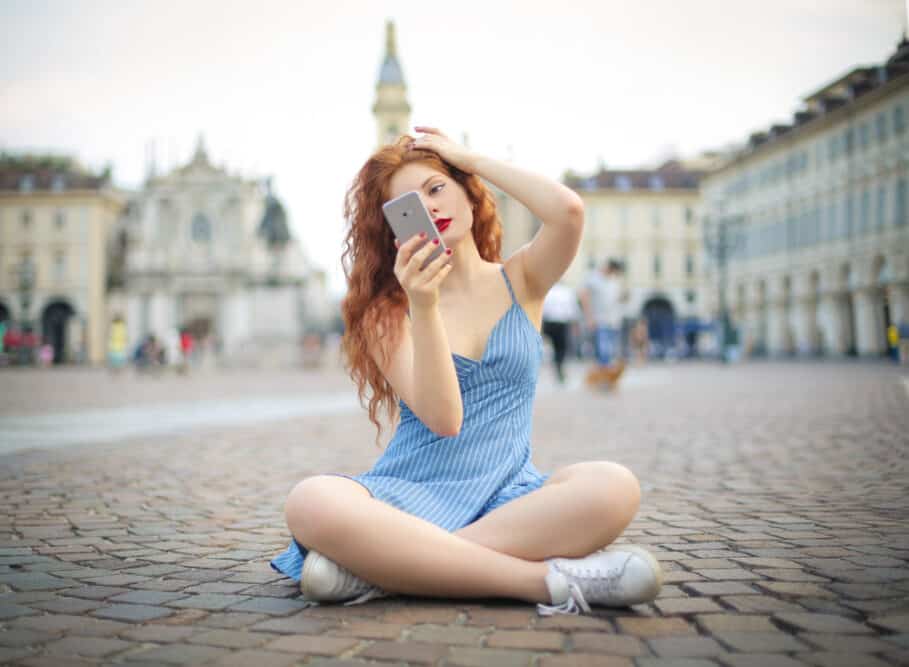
405,214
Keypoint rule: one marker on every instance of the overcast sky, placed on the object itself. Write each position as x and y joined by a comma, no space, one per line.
285,88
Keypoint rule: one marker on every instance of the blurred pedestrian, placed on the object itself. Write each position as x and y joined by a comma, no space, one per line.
116,345
640,340
12,340
602,300
187,348
45,354
173,356
560,311
28,348
903,330
893,342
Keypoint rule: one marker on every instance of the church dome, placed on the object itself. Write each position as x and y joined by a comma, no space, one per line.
390,73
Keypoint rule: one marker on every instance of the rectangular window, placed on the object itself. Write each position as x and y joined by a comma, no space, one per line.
690,296
832,231
59,267
689,215
847,227
26,218
60,219
881,206
865,214
881,127
26,271
689,265
899,122
900,218
847,141
656,266
624,217
864,136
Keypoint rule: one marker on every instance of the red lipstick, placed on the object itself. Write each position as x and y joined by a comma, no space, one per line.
442,224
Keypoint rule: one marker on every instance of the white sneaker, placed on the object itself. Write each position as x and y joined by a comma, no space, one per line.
323,580
618,576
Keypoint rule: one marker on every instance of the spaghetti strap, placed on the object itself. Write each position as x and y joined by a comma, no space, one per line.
508,284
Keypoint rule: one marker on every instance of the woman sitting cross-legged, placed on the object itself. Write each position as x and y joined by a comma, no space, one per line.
454,507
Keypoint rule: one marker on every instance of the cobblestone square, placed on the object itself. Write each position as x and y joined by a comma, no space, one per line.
776,497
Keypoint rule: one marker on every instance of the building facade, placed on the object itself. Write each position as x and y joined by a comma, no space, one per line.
211,252
819,209
56,222
649,220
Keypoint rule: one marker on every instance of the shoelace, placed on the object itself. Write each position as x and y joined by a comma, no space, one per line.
371,594
368,595
597,582
573,605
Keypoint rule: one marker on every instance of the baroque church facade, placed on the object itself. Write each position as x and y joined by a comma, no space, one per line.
211,253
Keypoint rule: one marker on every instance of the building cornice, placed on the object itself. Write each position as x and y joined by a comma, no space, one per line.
812,127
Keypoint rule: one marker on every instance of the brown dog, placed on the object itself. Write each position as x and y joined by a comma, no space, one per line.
605,376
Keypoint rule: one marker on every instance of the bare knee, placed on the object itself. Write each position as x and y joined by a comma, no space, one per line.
311,508
613,490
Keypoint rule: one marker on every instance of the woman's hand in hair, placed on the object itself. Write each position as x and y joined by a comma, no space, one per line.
421,286
451,152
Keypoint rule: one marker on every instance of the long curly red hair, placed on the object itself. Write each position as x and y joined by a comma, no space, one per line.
375,305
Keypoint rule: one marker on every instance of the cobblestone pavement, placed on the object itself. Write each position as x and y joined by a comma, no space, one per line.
776,497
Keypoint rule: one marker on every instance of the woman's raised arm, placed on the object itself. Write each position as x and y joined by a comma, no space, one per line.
549,254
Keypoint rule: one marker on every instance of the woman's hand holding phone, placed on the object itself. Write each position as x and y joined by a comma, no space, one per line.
421,286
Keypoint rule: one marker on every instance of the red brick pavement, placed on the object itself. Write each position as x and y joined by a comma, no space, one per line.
775,496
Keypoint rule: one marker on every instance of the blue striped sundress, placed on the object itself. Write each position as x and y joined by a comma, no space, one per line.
453,481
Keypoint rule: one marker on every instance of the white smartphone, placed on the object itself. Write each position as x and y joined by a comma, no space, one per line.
408,217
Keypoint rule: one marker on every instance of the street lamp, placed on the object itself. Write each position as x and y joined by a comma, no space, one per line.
722,237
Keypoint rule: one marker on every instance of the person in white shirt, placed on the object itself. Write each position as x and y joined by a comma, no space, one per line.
602,300
560,311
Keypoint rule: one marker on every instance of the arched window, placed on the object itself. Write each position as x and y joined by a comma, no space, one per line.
201,229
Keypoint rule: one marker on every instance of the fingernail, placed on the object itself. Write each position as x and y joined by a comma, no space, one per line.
422,235
448,251
436,241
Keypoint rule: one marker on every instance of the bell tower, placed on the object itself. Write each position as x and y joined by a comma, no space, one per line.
391,109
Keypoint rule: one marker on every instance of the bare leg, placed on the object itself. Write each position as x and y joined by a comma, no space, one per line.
581,508
400,552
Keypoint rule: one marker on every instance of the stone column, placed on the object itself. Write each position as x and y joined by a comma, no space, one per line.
831,315
869,321
898,297
776,328
805,325
133,315
234,318
162,314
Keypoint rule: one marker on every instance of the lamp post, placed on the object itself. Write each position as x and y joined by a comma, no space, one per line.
722,237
